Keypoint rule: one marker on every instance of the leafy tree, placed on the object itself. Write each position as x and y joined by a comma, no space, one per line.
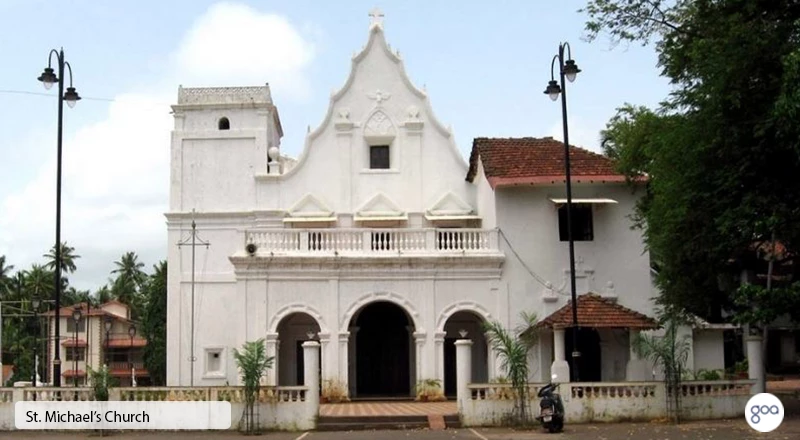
721,154
103,295
154,324
512,347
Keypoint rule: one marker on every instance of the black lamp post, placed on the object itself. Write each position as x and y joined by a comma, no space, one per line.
35,304
107,324
131,333
76,317
48,78
569,70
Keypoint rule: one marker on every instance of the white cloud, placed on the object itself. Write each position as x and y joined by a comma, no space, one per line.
116,171
234,41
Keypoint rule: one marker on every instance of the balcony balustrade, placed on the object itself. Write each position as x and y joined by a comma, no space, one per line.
439,241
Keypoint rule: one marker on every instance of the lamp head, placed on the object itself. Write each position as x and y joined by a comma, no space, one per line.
571,70
71,96
108,323
35,303
553,90
132,330
76,314
48,77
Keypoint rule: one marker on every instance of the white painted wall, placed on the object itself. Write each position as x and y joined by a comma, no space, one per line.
709,353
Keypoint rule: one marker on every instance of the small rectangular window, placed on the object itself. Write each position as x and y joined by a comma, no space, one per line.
582,227
379,157
214,361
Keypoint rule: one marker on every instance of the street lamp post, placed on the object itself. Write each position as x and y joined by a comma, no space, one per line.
76,317
131,333
107,324
35,304
48,78
567,70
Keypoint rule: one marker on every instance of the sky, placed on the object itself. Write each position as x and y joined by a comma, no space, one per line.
484,65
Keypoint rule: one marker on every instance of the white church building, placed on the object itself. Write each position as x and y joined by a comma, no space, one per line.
382,242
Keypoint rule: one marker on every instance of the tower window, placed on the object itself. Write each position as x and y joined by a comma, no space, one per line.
379,157
582,226
224,124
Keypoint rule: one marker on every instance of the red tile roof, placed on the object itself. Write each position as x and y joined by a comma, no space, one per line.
71,373
598,312
530,161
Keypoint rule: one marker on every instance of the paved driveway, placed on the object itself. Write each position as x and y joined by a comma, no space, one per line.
716,430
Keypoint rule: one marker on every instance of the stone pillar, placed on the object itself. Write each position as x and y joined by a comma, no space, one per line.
272,351
438,340
463,370
419,344
636,370
560,366
344,341
311,372
755,363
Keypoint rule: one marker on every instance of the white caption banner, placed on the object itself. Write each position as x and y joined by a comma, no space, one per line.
123,415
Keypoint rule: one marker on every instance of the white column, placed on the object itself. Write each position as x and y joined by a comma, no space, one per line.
272,350
463,371
419,339
311,372
344,340
560,366
438,340
755,363
636,369
325,354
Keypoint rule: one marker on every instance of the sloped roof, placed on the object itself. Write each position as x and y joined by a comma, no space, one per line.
598,312
530,161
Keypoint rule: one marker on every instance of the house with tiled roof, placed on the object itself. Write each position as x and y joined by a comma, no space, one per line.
95,336
383,243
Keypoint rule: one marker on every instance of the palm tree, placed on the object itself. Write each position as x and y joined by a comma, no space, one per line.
68,258
103,295
38,282
127,287
5,279
512,347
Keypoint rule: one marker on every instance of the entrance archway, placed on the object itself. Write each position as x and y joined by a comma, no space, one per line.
293,330
472,324
384,357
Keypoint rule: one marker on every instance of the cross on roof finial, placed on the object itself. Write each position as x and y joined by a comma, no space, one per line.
376,17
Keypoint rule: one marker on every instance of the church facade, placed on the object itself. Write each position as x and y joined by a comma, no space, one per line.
383,243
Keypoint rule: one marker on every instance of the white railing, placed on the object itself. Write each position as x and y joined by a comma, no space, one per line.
373,241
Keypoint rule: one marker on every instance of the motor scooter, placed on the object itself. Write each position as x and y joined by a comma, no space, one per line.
551,408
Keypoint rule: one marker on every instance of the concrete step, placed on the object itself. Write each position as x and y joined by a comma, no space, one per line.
360,423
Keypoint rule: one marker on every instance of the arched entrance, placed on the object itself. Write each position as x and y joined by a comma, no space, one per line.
471,325
293,330
383,361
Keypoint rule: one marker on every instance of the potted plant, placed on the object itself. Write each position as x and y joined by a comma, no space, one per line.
740,369
429,390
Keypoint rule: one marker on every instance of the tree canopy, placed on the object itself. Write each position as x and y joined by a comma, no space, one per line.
722,153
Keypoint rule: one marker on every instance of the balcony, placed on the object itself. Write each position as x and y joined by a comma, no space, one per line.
361,242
